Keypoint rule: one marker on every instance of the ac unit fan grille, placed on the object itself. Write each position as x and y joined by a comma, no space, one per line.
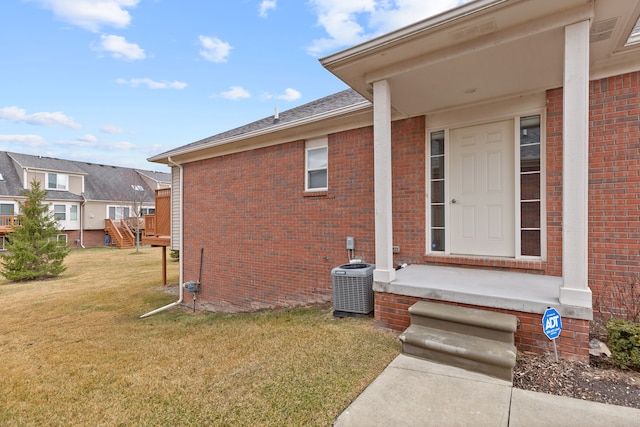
353,293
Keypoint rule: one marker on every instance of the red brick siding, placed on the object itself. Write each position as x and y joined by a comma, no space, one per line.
72,236
614,190
267,243
409,168
93,238
554,182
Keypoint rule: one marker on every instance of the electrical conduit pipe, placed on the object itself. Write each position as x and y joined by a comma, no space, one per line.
181,298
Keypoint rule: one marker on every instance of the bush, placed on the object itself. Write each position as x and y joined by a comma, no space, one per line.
624,343
174,254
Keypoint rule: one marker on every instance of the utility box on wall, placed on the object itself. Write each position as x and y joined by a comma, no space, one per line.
352,289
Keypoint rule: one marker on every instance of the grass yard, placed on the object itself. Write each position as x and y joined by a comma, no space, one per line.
73,351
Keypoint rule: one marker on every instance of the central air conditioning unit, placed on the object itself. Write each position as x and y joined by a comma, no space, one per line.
352,289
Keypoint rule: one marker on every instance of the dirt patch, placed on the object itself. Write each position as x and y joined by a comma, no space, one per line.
600,381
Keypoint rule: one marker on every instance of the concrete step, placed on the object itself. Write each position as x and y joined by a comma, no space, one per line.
486,356
470,321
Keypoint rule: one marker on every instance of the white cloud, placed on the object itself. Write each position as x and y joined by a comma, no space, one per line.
265,6
112,129
15,114
236,92
214,49
93,142
92,14
88,138
152,84
348,23
120,48
122,145
288,95
28,140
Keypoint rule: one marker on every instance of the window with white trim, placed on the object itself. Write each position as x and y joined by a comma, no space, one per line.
437,183
316,165
530,187
73,213
60,212
117,213
62,238
57,181
7,209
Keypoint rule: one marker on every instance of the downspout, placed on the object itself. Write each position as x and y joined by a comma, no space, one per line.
181,230
84,201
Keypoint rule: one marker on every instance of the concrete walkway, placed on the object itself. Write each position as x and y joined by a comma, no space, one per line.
415,392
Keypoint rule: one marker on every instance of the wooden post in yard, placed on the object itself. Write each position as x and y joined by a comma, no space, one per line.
164,266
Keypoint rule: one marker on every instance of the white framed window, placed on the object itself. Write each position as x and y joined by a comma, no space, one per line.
67,214
60,212
7,209
436,179
531,231
147,211
316,165
57,181
137,187
117,213
61,238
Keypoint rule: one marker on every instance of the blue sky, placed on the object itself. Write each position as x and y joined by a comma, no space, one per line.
116,81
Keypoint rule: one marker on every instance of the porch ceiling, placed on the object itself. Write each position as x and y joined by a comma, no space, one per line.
486,50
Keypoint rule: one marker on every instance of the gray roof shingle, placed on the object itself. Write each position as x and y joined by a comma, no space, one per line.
101,182
10,185
324,105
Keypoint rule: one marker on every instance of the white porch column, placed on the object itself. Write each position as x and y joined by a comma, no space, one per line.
575,180
385,271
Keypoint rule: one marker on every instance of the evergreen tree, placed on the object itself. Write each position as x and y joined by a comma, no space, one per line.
33,250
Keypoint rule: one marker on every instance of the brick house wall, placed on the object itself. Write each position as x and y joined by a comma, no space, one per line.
93,238
266,242
269,244
614,195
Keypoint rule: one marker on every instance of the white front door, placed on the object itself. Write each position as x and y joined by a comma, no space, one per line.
481,190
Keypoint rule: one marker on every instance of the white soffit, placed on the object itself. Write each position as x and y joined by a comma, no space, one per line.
482,51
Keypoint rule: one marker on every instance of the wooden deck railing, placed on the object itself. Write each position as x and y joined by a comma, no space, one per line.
7,222
121,235
159,224
150,225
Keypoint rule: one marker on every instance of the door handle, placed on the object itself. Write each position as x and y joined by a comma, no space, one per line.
454,201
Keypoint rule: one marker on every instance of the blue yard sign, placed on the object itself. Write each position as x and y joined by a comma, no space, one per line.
552,323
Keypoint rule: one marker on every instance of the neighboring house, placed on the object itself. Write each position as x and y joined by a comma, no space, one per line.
493,148
82,196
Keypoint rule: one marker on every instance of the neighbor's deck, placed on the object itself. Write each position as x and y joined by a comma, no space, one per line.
7,222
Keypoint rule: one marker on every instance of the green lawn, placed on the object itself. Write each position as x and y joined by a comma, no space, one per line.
74,352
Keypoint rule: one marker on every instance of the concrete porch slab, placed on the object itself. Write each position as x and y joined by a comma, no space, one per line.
528,293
